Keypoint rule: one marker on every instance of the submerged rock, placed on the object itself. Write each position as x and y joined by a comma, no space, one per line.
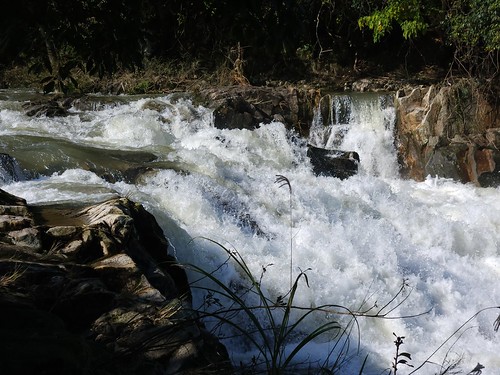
95,288
333,163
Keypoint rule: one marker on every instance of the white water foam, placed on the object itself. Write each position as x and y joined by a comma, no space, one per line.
360,237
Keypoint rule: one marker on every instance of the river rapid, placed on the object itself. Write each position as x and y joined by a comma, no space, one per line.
357,240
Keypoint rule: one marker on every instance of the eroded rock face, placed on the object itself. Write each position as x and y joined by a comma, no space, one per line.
98,289
449,131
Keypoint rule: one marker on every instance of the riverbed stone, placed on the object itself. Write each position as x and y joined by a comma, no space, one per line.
11,222
62,231
27,237
10,170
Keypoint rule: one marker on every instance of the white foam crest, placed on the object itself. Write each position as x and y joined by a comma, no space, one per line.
361,237
69,186
124,125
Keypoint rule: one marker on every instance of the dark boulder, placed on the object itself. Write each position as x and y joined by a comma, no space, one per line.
237,113
248,107
333,163
54,107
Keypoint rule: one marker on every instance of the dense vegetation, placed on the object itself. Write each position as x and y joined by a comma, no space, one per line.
277,39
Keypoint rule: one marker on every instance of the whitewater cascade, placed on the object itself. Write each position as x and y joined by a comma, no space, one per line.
358,239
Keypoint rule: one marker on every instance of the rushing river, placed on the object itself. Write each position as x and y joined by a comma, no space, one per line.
358,239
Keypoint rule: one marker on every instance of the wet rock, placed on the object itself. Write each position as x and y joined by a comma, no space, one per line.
236,113
28,237
62,231
10,169
333,163
55,107
104,284
10,222
7,199
239,212
157,105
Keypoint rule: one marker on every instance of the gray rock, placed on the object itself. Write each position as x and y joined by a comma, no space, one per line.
26,237
248,107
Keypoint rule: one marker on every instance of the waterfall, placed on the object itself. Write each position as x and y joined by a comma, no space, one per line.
358,122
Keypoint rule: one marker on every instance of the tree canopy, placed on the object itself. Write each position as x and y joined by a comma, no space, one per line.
101,36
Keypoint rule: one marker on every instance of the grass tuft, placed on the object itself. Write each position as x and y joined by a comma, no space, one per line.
274,329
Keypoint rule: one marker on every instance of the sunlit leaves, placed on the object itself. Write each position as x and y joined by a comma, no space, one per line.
475,23
405,13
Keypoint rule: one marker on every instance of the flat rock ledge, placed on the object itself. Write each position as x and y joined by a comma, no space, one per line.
93,290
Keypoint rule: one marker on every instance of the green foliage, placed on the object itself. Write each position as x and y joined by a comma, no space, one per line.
475,23
277,36
100,35
142,87
406,13
474,30
60,80
274,328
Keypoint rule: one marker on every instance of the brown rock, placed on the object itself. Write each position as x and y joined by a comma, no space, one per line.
448,131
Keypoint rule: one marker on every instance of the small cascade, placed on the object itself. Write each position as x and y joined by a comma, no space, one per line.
362,123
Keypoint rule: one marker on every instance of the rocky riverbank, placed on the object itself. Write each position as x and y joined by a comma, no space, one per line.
94,289
445,130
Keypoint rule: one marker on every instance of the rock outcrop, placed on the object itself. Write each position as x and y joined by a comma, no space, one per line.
94,289
55,107
449,131
247,107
